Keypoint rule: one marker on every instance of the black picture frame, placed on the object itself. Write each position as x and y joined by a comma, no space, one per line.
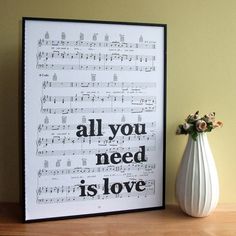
43,69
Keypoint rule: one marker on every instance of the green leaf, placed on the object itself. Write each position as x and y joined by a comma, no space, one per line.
194,135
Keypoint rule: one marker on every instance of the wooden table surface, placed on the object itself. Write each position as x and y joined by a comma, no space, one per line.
168,222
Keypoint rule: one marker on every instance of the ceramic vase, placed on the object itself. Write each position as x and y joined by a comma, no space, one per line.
197,185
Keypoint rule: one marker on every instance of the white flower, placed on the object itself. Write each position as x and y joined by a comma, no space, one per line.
201,126
178,131
210,118
186,126
193,117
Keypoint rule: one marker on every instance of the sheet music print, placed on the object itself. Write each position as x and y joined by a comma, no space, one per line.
92,101
61,141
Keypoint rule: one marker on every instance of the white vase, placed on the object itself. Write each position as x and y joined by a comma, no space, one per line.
197,185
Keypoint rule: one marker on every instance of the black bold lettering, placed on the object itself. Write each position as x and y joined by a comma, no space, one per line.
126,129
129,186
82,132
106,186
140,155
114,130
102,159
82,188
127,155
139,186
115,155
116,188
99,121
137,131
92,190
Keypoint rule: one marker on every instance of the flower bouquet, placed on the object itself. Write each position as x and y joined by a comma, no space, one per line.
194,124
197,184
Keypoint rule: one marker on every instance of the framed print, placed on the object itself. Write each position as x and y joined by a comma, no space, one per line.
94,117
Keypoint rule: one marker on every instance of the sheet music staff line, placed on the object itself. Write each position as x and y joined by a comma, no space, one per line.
148,100
45,127
102,141
87,170
80,43
99,110
47,84
94,56
145,193
75,188
45,66
89,151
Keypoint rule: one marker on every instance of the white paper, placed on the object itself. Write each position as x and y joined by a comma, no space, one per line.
93,118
